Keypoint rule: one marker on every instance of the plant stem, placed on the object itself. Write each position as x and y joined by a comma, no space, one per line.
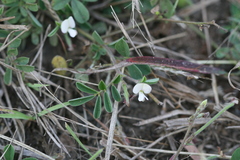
213,119
200,108
200,24
229,105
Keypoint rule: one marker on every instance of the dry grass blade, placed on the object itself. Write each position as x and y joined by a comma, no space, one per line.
179,74
121,26
162,117
26,147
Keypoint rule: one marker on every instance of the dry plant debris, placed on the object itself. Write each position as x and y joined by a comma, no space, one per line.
89,79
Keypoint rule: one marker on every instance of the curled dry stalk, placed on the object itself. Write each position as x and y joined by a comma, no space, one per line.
229,74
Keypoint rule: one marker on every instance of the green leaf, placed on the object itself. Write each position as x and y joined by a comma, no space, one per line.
100,27
212,158
59,4
96,56
1,10
222,52
90,0
36,86
12,52
53,40
82,87
236,154
29,1
235,54
53,108
95,47
8,76
35,22
21,60
80,12
25,68
9,152
16,43
97,38
96,154
153,2
14,114
77,139
166,7
115,94
102,85
83,77
13,11
125,93
143,79
117,80
107,102
234,10
145,69
97,107
30,158
32,7
184,3
98,50
112,44
54,31
174,7
8,1
35,38
23,11
4,33
135,72
152,81
80,101
102,51
122,48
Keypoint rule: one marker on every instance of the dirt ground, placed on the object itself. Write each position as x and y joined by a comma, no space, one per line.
141,123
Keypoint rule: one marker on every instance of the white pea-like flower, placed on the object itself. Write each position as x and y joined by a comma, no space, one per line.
67,26
141,89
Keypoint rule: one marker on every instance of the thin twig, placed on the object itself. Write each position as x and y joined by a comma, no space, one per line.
112,126
51,11
4,46
172,152
26,147
200,108
121,26
6,18
200,24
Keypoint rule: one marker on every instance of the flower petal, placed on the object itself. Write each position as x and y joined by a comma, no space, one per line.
71,22
137,88
72,32
64,26
146,88
142,97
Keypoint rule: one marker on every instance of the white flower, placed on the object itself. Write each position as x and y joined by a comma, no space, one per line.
68,25
140,89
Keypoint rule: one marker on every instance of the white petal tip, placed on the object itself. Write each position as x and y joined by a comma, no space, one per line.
72,32
64,26
142,97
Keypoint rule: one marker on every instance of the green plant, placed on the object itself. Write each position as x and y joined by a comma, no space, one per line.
9,153
231,49
236,154
115,60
